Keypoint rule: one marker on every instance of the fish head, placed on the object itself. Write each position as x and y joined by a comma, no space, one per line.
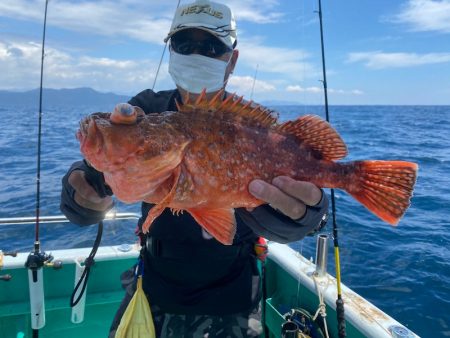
136,155
104,142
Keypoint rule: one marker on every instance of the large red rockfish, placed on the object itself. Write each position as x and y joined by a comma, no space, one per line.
202,158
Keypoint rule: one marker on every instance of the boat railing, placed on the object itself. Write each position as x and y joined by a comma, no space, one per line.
63,219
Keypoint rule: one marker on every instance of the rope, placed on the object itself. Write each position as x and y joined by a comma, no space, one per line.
88,263
322,309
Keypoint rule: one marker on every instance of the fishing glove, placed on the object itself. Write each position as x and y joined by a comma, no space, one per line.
275,226
74,212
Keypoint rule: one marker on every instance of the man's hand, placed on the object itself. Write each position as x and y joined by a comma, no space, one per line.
85,195
287,195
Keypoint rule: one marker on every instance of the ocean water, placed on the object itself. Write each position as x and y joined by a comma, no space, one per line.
404,270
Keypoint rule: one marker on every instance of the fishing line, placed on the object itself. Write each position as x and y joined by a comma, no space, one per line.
254,81
162,56
339,301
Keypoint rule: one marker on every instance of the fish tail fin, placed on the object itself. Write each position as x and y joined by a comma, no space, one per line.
385,187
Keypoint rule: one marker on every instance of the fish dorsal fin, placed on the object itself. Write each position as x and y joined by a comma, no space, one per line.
232,108
317,134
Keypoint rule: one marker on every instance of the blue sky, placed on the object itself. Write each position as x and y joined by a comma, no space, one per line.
377,52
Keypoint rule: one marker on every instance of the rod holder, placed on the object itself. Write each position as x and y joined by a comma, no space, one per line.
78,310
321,255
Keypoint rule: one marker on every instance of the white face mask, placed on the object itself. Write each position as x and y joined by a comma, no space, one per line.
195,72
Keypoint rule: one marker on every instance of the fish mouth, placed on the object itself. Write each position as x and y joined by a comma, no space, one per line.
83,128
86,127
89,136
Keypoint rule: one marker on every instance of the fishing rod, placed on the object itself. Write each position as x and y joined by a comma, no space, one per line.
37,259
162,57
339,301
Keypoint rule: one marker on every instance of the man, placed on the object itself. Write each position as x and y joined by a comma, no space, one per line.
198,287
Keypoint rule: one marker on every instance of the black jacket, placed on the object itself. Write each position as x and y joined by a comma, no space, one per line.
185,271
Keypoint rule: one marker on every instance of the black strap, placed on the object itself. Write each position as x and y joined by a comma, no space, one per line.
159,248
88,263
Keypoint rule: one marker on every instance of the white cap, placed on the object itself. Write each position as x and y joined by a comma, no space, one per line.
209,16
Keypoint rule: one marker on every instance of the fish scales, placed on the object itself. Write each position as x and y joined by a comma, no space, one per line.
226,153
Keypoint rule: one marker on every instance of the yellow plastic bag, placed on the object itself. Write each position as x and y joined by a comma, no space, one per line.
137,320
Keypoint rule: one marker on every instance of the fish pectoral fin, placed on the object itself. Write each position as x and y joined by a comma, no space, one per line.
165,202
166,162
219,223
317,134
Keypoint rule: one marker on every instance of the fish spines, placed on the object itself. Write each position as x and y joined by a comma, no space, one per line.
186,100
216,97
234,107
225,103
245,106
178,105
201,97
236,103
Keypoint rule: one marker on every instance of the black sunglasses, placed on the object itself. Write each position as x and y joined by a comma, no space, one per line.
212,47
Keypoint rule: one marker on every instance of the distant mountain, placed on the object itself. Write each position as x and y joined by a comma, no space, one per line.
50,97
84,96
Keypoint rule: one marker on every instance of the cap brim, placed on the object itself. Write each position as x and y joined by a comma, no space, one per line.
227,40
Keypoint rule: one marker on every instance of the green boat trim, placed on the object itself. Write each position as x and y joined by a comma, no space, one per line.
289,279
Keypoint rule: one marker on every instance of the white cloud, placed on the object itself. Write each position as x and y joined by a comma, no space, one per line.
139,20
346,92
426,15
319,90
289,62
357,92
300,89
108,18
380,60
257,11
243,85
20,69
136,20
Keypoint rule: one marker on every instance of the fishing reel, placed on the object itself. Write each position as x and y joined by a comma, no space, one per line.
37,259
300,324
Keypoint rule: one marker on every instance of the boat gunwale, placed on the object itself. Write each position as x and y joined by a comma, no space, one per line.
365,316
